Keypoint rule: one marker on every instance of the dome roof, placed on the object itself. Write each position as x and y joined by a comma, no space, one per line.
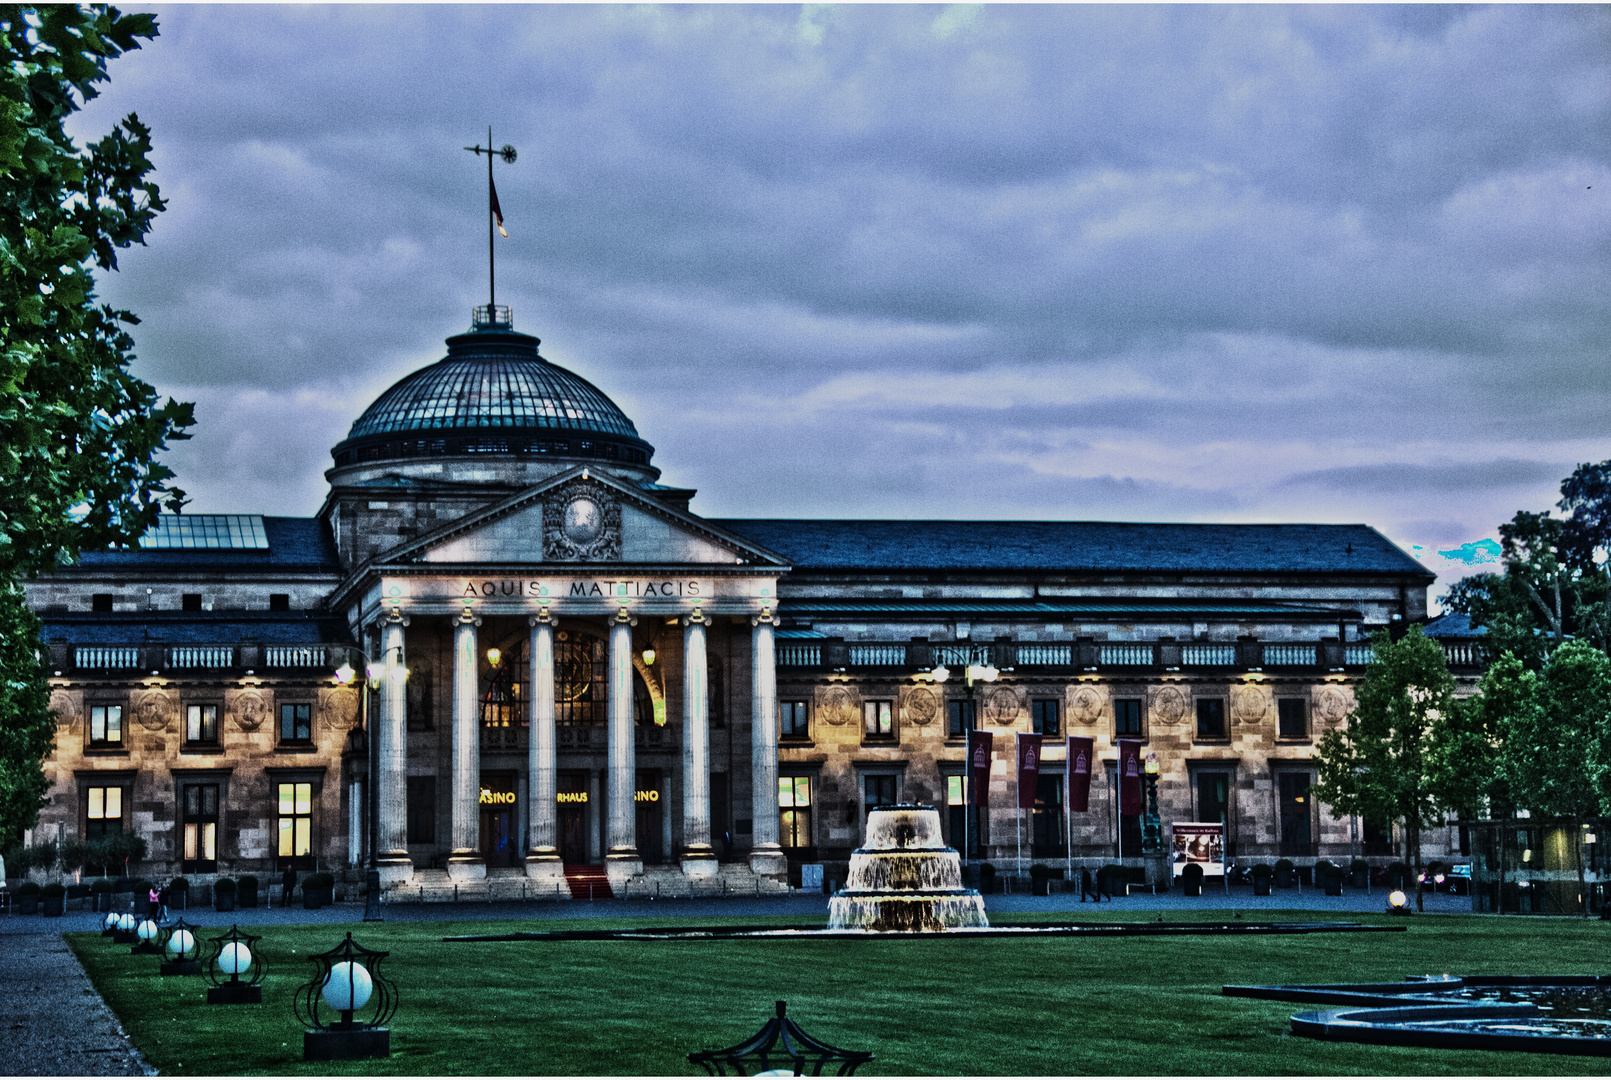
493,393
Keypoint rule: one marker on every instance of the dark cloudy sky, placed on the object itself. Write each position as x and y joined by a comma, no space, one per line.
1192,263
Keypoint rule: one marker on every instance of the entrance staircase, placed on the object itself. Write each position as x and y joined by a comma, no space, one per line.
588,882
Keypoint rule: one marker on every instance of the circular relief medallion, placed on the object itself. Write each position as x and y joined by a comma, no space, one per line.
250,710
61,703
339,709
1248,705
583,520
921,705
1333,705
1087,705
153,711
837,708
1169,705
1001,707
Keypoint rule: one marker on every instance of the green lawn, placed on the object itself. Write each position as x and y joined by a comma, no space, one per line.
926,1006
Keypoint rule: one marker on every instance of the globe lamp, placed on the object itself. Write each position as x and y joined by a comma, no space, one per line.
348,986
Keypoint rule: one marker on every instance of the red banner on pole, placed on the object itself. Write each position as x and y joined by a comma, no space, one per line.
1129,777
1028,770
979,766
1080,750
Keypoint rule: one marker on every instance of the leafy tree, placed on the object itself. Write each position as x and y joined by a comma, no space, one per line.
79,433
1383,765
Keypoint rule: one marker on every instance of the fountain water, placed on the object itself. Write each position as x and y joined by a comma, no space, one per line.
905,878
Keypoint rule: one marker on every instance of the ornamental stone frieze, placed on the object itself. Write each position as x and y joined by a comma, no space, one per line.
581,523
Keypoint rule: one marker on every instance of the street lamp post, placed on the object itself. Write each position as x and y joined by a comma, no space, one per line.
977,668
1152,849
345,676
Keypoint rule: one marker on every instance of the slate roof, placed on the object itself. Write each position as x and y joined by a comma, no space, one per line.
1076,546
1453,624
1058,608
293,544
191,628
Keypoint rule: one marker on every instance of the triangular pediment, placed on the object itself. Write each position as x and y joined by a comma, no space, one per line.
581,517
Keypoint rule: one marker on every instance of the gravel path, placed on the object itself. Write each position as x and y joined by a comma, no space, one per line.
52,1022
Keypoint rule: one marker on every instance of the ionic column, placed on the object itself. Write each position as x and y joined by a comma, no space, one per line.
766,856
621,829
465,862
391,789
542,858
698,858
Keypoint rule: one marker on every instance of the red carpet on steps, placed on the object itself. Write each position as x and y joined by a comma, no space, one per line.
579,878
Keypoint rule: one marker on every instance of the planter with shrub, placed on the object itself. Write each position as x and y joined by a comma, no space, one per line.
179,894
1041,876
1359,874
28,898
101,894
318,890
53,899
1262,875
1286,876
224,894
246,894
1113,880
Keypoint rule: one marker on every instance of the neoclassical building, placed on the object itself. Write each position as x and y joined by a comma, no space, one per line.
504,648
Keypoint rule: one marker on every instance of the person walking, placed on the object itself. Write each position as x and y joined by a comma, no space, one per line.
1088,888
287,886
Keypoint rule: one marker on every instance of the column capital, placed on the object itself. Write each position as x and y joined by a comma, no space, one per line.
765,616
395,617
468,618
623,618
698,618
542,618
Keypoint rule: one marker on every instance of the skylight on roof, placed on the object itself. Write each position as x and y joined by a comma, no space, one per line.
225,531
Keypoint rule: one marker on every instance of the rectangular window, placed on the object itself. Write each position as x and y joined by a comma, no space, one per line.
794,811
422,809
1127,717
792,720
1046,819
199,819
1295,813
106,725
878,719
1044,716
296,723
880,791
1211,718
279,601
961,819
101,601
190,601
295,821
958,718
1293,718
201,725
1213,796
104,813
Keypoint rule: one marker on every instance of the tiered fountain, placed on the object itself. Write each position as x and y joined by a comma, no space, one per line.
905,878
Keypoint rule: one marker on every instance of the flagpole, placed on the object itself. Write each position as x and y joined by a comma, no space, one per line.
492,274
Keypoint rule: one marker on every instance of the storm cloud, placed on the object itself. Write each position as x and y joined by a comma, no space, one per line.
1155,263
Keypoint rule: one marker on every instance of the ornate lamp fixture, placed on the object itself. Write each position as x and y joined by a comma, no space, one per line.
124,933
181,952
148,933
781,1046
234,970
348,983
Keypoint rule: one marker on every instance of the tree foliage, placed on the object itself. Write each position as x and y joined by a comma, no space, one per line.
1384,765
79,433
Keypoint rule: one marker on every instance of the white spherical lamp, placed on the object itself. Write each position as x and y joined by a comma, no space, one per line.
1397,900
146,931
125,922
110,922
180,942
347,987
235,958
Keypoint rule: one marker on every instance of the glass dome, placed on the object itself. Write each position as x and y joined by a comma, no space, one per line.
493,393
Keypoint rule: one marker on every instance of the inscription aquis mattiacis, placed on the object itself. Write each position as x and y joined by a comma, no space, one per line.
585,590
577,590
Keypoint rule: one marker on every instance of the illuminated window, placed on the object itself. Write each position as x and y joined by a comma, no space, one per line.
296,723
106,725
201,724
878,718
961,820
794,811
1211,718
792,720
1293,718
104,811
295,820
1044,717
955,793
199,817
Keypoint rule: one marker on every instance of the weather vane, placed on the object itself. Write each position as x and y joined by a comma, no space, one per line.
494,211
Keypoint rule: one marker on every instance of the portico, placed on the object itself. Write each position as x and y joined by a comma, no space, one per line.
590,626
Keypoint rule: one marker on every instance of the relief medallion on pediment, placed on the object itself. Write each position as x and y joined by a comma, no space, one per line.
154,710
1085,705
1002,706
65,708
1250,704
581,523
838,705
